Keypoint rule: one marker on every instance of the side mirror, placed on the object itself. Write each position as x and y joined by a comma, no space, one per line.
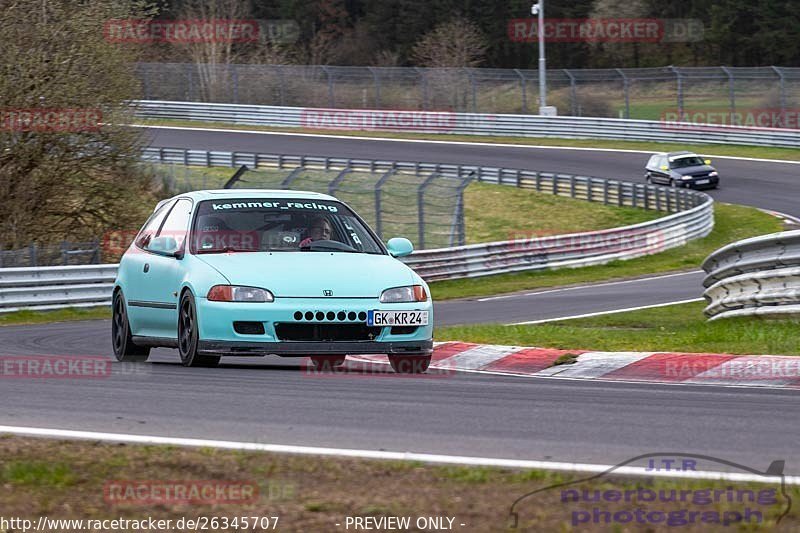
707,161
163,246
399,247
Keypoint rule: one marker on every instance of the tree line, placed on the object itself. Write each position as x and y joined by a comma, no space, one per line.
388,32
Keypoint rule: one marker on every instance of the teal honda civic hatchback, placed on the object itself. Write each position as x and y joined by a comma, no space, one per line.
257,272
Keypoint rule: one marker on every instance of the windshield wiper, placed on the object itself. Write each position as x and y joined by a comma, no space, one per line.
225,249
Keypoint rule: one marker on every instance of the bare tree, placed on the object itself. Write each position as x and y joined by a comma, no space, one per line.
76,179
456,43
212,57
625,53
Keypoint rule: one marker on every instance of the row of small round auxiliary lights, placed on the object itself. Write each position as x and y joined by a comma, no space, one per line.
330,315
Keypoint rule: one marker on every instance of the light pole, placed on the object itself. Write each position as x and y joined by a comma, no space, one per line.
538,9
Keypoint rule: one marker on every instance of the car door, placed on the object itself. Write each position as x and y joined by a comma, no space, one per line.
662,170
162,272
132,270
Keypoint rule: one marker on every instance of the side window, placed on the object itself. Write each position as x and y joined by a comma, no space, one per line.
176,226
150,227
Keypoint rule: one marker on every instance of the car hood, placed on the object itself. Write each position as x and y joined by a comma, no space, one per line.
308,274
693,171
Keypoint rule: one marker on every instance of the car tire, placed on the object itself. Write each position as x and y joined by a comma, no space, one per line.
410,364
327,362
648,179
673,184
121,339
188,337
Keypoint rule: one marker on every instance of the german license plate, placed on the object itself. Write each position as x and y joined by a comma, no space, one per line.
397,318
701,182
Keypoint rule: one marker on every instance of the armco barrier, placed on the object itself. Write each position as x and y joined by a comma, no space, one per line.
757,276
56,287
466,123
691,216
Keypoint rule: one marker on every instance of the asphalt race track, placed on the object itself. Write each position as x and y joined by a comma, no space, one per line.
768,185
275,401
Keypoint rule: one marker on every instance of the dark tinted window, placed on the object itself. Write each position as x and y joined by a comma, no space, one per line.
684,162
176,225
279,225
150,227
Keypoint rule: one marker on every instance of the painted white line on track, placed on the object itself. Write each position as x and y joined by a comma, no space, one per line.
376,454
599,313
589,286
459,143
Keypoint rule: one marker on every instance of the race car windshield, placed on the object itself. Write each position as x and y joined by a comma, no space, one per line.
684,162
279,225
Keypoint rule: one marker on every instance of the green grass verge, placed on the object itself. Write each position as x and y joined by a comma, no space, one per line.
675,328
90,480
759,152
18,318
499,213
732,223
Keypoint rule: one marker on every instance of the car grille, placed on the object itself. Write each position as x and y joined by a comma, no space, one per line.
311,331
339,316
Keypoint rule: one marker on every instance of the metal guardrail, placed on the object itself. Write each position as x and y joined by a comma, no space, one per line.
42,288
753,277
467,123
691,217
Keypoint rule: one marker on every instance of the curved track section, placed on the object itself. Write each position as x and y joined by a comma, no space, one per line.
768,185
275,401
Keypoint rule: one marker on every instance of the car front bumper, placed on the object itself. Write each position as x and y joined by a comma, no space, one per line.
304,348
217,334
692,183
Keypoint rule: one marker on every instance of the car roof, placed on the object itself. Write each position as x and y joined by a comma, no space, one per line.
221,194
678,155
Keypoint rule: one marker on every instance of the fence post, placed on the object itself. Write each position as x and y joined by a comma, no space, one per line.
524,90
421,208
474,90
234,74
146,82
626,89
782,82
731,92
573,94
330,87
377,80
679,80
282,79
424,86
538,181
605,192
334,184
32,252
378,211
189,76
459,214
